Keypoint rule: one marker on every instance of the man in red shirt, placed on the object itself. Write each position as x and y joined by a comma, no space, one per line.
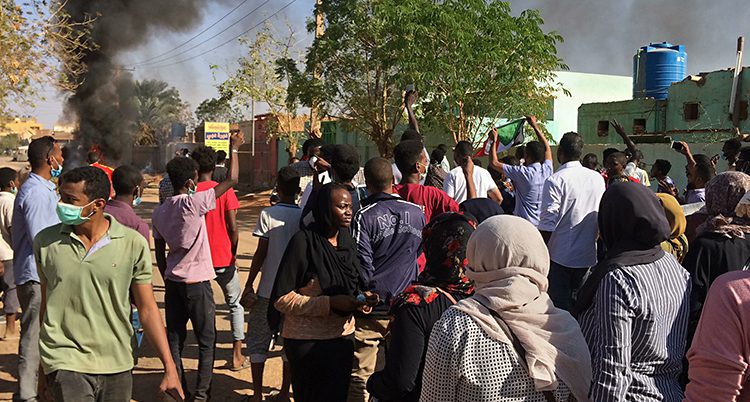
411,161
221,225
94,160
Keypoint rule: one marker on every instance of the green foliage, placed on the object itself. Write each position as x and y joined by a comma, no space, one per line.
218,109
159,105
10,141
472,60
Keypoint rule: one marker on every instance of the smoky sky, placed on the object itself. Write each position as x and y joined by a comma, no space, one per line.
104,105
601,36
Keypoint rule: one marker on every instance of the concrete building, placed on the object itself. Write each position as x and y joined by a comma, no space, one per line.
24,127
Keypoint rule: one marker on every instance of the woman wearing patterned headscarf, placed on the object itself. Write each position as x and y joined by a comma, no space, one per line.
723,243
416,310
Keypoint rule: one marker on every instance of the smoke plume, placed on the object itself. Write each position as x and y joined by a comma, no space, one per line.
601,36
104,105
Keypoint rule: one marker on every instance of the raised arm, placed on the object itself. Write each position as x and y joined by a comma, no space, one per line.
409,99
467,166
688,155
625,138
540,136
494,161
234,168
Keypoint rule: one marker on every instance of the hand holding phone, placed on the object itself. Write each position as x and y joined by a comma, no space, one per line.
677,146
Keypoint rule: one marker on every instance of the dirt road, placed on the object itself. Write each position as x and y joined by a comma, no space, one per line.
227,385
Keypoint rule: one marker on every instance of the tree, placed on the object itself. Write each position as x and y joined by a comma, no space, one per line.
217,109
476,62
256,80
158,105
39,44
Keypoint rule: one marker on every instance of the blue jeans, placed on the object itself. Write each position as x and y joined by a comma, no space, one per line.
229,280
564,283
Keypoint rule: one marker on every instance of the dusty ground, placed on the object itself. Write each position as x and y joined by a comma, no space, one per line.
227,385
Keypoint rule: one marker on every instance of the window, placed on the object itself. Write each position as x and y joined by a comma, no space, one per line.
639,126
690,111
602,129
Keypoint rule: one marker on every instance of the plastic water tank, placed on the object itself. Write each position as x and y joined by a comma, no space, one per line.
656,67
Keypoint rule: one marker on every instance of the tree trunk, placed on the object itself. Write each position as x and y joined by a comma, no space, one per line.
384,141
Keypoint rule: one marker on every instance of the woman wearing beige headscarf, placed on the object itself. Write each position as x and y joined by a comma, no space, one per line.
472,355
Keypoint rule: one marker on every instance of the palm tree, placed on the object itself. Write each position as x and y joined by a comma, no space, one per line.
159,105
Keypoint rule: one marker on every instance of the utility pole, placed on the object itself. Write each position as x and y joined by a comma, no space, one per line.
252,128
314,109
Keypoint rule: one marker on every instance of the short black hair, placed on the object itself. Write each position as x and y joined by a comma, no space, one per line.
705,172
702,159
378,174
310,144
411,134
125,179
663,165
92,157
477,162
406,155
181,169
437,156
636,155
326,152
733,144
287,181
443,148
535,149
7,176
221,156
510,160
520,152
571,145
96,182
205,157
607,152
463,149
39,151
590,161
618,157
345,162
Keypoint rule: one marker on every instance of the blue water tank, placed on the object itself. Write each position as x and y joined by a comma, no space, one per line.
656,67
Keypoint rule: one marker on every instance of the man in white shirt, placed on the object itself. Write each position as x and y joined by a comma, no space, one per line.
568,221
455,181
528,179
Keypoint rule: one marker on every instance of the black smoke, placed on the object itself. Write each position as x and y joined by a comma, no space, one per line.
103,104
601,36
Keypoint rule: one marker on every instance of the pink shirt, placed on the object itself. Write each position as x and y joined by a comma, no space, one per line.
720,352
180,222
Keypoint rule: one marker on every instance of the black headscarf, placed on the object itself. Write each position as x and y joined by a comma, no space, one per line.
481,208
632,225
310,254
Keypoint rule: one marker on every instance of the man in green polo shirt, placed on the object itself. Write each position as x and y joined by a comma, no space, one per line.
88,264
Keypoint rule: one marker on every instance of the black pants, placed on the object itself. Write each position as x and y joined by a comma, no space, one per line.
70,386
194,302
564,283
321,370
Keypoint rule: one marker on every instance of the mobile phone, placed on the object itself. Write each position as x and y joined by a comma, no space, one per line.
677,146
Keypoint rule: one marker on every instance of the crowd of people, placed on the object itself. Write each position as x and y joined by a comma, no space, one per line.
402,280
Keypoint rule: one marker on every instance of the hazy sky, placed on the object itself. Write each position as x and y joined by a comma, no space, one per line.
601,36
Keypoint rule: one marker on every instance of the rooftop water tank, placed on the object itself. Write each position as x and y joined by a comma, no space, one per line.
656,67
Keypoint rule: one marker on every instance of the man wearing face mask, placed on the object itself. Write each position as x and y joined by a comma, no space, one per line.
188,269
412,163
128,184
89,264
33,210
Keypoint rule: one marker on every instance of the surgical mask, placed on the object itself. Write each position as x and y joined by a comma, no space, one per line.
137,201
137,196
57,171
14,190
191,190
422,176
71,214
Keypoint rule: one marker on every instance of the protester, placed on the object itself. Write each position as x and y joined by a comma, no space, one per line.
420,306
435,172
458,184
128,184
88,265
722,244
590,161
343,167
506,185
445,164
677,243
165,188
570,203
481,208
411,161
188,269
698,178
615,165
730,151
508,341
634,157
94,159
634,305
276,226
220,171
388,232
316,290
8,190
528,179
223,236
718,356
660,171
33,210
412,133
306,167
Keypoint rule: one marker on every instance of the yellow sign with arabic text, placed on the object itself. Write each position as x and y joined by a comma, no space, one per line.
217,136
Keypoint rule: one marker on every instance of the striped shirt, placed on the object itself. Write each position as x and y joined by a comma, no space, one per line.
636,330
